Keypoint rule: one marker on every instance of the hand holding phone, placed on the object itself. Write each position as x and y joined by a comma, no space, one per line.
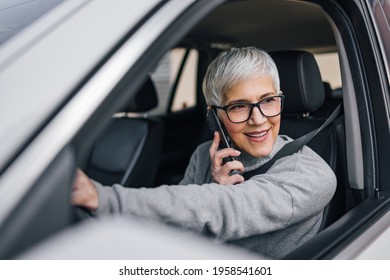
215,125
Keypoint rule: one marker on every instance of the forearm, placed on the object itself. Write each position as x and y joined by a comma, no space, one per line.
227,212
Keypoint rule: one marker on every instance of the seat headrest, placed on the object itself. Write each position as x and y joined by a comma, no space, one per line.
327,90
331,94
300,81
144,100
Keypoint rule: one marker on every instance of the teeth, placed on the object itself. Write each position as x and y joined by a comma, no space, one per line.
258,135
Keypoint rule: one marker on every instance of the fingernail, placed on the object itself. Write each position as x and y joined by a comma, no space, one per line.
237,152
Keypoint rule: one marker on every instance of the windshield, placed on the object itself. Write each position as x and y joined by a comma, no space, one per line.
15,15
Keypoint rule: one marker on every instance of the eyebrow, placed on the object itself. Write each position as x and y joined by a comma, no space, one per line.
265,95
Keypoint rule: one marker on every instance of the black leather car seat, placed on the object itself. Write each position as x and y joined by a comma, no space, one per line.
128,151
332,99
303,87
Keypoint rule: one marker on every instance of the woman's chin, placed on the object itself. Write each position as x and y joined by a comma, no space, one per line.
262,152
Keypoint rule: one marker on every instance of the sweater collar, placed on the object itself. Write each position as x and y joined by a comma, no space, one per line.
251,162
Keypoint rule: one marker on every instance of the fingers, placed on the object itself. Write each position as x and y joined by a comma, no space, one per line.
84,193
216,155
79,179
214,145
224,176
235,179
224,153
220,171
229,166
226,179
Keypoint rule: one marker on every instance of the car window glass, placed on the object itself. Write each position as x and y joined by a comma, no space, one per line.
381,13
165,76
185,96
329,68
15,15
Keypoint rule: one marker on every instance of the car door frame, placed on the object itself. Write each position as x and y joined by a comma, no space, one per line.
365,88
177,17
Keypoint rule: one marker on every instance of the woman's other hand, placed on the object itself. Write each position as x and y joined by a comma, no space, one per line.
84,192
219,170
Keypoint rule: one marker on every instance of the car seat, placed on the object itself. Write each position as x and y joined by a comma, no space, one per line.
332,99
303,87
128,151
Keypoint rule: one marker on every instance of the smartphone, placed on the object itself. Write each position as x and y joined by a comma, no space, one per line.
215,125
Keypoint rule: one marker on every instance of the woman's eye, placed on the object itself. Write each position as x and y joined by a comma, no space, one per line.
269,100
237,107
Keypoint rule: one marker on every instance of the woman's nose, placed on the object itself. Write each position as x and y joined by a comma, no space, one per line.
257,117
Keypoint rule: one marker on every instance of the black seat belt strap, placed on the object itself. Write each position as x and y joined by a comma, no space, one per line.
294,146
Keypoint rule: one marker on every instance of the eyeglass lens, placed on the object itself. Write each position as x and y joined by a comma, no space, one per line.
241,112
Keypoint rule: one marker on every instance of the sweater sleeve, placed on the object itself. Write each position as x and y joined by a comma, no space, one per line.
295,188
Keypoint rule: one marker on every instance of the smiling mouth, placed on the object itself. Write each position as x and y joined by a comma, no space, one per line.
259,134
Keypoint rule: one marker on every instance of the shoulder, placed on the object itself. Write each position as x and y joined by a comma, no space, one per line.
303,155
202,150
204,146
304,163
198,169
201,155
306,177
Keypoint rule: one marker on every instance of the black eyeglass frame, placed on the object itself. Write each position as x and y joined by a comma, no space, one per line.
253,105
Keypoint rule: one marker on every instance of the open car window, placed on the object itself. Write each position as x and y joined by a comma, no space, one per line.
172,42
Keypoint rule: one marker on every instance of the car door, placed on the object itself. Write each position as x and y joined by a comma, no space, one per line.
90,68
38,161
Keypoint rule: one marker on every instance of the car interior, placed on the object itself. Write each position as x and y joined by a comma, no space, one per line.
306,107
122,154
145,132
310,99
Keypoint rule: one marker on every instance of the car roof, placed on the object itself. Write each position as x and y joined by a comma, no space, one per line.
236,22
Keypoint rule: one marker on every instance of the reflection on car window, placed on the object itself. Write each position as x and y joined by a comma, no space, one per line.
381,12
168,72
15,15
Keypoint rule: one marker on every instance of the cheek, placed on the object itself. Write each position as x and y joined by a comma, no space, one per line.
235,132
232,129
276,124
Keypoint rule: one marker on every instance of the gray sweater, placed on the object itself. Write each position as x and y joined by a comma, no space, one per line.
271,213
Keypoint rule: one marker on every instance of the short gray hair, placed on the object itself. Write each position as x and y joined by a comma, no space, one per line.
234,66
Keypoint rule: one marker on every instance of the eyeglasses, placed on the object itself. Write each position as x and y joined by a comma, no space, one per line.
241,112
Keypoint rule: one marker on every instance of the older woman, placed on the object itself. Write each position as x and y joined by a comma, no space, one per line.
270,213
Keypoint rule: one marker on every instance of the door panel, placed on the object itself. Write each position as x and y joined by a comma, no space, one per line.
43,211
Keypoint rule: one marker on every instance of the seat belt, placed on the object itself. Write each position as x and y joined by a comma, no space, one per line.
293,146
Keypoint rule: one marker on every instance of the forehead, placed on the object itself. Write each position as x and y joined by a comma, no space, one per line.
250,90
